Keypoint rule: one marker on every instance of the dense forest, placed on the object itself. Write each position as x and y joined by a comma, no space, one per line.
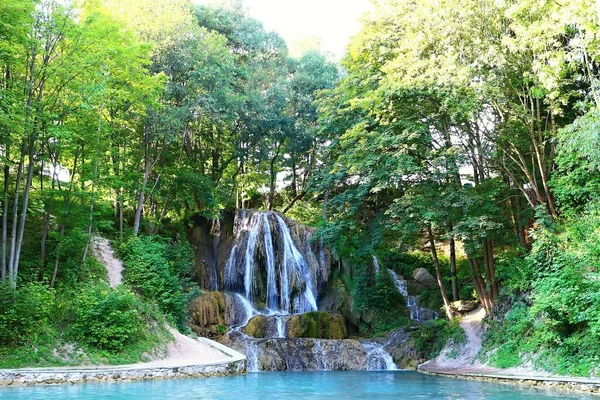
460,135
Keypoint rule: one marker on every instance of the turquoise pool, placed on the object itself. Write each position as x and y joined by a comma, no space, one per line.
291,385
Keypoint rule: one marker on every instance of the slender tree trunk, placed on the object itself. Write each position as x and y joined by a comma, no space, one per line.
492,267
455,296
120,204
5,218
273,177
478,284
23,212
46,228
438,273
147,168
15,216
95,176
325,201
57,258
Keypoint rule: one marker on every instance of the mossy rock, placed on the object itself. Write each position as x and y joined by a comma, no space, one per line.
208,309
256,327
317,325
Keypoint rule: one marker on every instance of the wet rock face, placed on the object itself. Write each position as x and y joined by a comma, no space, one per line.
257,326
423,276
315,324
399,344
212,313
310,354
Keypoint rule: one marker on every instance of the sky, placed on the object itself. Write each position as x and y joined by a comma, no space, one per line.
331,22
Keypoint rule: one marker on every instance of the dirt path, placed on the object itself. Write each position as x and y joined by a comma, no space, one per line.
184,350
462,359
187,351
104,253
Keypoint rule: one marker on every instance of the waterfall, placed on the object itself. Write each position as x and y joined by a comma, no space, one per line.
280,326
400,283
272,300
251,356
412,302
249,256
376,264
378,358
249,310
230,271
321,354
300,269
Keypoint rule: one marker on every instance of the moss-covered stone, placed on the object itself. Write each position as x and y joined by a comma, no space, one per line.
317,325
208,309
256,327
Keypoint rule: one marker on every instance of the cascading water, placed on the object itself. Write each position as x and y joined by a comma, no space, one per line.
272,298
251,356
377,358
320,354
230,278
412,302
269,265
299,268
255,223
249,310
376,264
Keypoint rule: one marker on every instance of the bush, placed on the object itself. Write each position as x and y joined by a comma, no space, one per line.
560,330
107,319
153,270
24,313
434,335
380,306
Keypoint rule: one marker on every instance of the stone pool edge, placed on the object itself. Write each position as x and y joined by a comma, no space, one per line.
577,385
126,373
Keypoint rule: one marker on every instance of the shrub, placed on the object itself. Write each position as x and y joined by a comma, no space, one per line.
380,306
107,319
434,335
24,313
155,276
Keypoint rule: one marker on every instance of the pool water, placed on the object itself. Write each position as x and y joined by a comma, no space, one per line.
291,385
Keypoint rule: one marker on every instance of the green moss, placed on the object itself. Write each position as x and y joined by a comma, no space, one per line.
317,325
256,327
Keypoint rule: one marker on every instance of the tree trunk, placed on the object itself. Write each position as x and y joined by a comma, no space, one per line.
46,228
273,177
479,285
57,258
491,266
147,167
438,273
15,216
95,176
455,296
325,201
24,208
5,219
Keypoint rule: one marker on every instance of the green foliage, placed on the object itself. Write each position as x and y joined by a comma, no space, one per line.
380,306
434,335
153,268
557,328
25,313
108,319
